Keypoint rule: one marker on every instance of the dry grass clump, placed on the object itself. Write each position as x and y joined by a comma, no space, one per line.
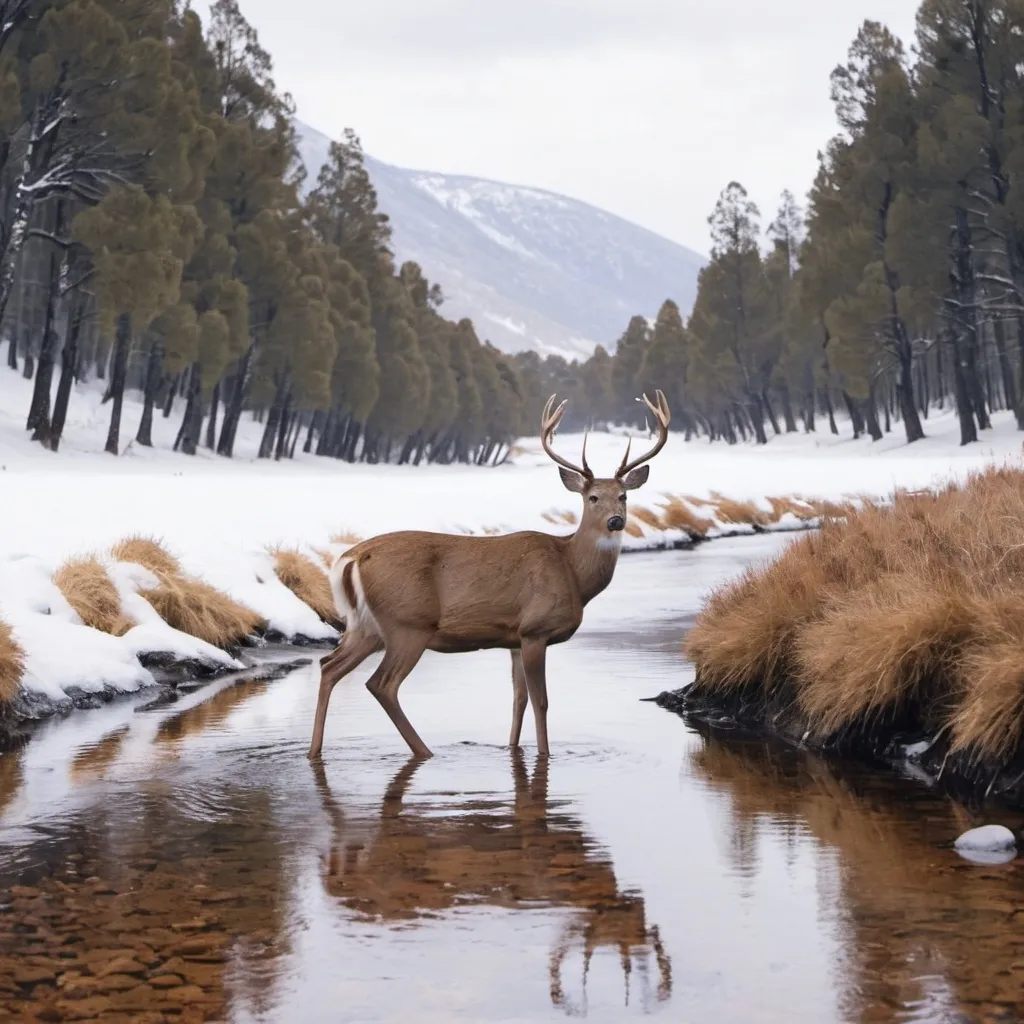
677,514
307,581
12,664
914,609
729,510
791,506
648,517
88,588
346,538
187,603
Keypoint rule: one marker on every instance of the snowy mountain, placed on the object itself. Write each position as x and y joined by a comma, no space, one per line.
532,269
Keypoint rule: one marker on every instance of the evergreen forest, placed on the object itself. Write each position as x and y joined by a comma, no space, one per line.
158,233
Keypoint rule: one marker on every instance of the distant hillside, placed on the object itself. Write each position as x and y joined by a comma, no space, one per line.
532,269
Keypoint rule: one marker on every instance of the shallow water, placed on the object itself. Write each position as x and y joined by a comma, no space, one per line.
188,863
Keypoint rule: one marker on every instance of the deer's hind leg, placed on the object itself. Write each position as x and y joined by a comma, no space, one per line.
403,650
355,648
520,696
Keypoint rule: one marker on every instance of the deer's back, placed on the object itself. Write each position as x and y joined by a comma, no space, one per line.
470,592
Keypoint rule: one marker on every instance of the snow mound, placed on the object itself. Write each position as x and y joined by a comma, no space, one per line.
61,654
989,844
152,635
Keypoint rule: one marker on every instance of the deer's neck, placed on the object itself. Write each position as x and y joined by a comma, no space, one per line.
594,555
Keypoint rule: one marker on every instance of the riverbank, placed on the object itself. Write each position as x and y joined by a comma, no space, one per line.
250,539
896,634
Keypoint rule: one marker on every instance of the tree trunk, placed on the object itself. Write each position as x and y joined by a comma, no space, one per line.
154,372
905,389
172,390
234,405
856,419
314,424
274,416
787,409
211,423
187,440
68,363
757,419
12,350
284,426
118,373
961,394
772,418
39,409
871,415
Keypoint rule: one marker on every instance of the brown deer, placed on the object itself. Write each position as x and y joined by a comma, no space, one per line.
412,591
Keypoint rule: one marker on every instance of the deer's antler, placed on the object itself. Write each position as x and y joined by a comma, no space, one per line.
663,417
549,420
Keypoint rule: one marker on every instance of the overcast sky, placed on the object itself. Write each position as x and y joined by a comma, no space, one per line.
647,108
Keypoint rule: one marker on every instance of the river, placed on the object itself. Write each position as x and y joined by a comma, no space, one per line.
186,862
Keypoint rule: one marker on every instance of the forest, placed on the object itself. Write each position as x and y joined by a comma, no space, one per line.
157,233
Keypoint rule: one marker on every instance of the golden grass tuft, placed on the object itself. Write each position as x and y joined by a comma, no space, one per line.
914,608
148,553
88,588
648,516
185,602
307,581
791,506
729,510
346,538
12,664
677,514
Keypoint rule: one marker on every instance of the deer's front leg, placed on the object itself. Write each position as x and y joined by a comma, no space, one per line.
519,698
534,655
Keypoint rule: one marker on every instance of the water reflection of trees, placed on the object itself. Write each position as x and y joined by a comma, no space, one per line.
416,859
927,936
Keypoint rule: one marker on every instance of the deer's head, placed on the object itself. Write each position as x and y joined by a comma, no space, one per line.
604,500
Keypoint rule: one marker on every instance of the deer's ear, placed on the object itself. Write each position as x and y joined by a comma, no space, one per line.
573,481
636,478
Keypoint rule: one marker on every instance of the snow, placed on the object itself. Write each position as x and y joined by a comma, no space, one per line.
220,516
61,653
989,844
152,634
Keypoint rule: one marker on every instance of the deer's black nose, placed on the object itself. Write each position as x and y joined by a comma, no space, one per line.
616,523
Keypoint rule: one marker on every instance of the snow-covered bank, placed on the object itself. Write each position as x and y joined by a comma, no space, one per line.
223,518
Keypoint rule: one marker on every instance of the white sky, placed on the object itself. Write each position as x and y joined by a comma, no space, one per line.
647,108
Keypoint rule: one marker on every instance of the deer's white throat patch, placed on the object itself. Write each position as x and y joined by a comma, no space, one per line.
610,543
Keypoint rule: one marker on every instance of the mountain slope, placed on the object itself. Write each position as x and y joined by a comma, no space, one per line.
532,269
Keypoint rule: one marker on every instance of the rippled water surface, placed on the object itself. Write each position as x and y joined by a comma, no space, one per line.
187,863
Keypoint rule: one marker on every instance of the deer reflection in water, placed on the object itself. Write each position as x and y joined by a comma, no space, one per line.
524,853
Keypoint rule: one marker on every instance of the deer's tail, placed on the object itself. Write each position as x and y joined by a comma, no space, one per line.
350,596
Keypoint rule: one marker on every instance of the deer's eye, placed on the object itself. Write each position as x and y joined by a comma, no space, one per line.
593,499
622,498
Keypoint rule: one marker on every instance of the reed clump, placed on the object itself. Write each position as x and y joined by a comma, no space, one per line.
88,588
307,581
12,664
185,602
911,611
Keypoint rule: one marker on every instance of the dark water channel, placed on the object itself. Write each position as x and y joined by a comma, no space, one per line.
187,863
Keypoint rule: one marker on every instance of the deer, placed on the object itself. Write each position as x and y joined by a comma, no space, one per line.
410,591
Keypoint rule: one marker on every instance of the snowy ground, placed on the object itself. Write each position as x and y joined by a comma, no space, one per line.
219,516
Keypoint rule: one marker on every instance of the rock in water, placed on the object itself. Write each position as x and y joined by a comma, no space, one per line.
990,844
